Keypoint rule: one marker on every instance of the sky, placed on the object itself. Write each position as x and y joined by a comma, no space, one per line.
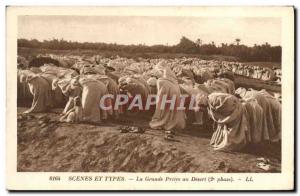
151,30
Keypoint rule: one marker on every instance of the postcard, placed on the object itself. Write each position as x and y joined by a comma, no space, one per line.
150,98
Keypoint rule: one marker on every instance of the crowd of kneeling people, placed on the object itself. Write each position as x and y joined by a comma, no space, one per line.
240,116
257,72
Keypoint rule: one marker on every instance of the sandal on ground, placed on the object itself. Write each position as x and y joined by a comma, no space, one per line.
169,137
169,132
137,130
124,129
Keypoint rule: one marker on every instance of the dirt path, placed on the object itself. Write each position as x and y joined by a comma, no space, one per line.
52,146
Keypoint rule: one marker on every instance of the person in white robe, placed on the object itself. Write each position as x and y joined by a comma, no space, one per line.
40,88
168,119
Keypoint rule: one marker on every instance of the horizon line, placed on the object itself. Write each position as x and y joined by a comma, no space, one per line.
143,44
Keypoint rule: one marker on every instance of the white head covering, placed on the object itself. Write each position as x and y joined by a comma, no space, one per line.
201,99
26,75
241,91
23,78
151,81
99,69
87,68
167,72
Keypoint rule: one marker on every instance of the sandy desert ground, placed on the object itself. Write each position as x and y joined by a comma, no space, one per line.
45,144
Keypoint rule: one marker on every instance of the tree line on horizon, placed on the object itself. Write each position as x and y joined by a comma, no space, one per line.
264,52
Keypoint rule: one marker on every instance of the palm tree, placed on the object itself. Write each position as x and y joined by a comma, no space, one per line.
237,40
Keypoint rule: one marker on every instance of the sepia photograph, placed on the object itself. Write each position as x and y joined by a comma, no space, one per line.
158,93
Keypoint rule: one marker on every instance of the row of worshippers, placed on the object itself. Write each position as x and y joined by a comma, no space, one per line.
196,65
257,72
254,118
49,85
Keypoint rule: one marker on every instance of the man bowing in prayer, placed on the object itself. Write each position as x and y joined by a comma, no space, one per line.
167,116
